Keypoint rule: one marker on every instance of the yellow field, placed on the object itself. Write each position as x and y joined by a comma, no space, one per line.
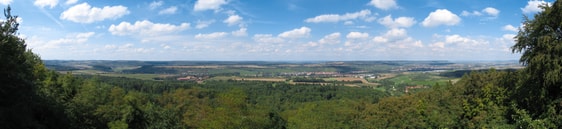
212,66
249,79
349,79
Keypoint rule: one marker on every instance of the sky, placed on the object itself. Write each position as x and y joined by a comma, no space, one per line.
272,30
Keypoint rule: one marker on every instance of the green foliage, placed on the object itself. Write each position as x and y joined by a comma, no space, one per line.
436,108
484,99
22,72
539,89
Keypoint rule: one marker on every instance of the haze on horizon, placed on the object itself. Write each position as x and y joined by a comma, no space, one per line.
275,30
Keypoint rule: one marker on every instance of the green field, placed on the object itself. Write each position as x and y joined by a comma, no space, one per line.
426,79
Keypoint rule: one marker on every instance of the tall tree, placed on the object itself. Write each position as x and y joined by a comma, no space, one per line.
540,42
21,71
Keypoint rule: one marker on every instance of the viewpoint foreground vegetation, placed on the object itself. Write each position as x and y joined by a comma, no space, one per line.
32,96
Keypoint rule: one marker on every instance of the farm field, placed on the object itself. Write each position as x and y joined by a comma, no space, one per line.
390,76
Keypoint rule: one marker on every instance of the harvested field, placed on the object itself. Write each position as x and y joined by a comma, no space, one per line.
192,67
348,79
249,79
212,66
386,76
262,79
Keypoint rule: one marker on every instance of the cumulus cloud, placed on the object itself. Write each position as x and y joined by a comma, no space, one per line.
155,4
202,5
204,24
491,11
69,2
146,28
461,41
384,4
214,35
170,10
391,35
76,38
455,38
510,28
336,17
129,48
296,33
267,38
241,32
473,13
441,17
233,20
449,44
440,45
357,35
333,38
508,37
5,2
44,3
398,22
533,6
84,13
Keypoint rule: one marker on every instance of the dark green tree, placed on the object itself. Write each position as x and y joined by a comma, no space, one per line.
21,72
540,42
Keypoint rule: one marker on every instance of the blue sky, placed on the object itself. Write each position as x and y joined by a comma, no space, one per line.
272,30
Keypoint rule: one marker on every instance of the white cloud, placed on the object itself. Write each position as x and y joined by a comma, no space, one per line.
204,24
510,28
84,13
455,38
440,45
509,37
165,46
170,10
267,38
155,4
491,11
19,20
146,28
240,32
71,39
453,43
333,38
357,35
380,39
296,33
392,35
44,3
311,44
488,11
348,23
473,13
533,6
129,48
336,17
464,42
214,35
69,2
396,33
202,5
441,17
233,20
384,4
5,2
398,22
